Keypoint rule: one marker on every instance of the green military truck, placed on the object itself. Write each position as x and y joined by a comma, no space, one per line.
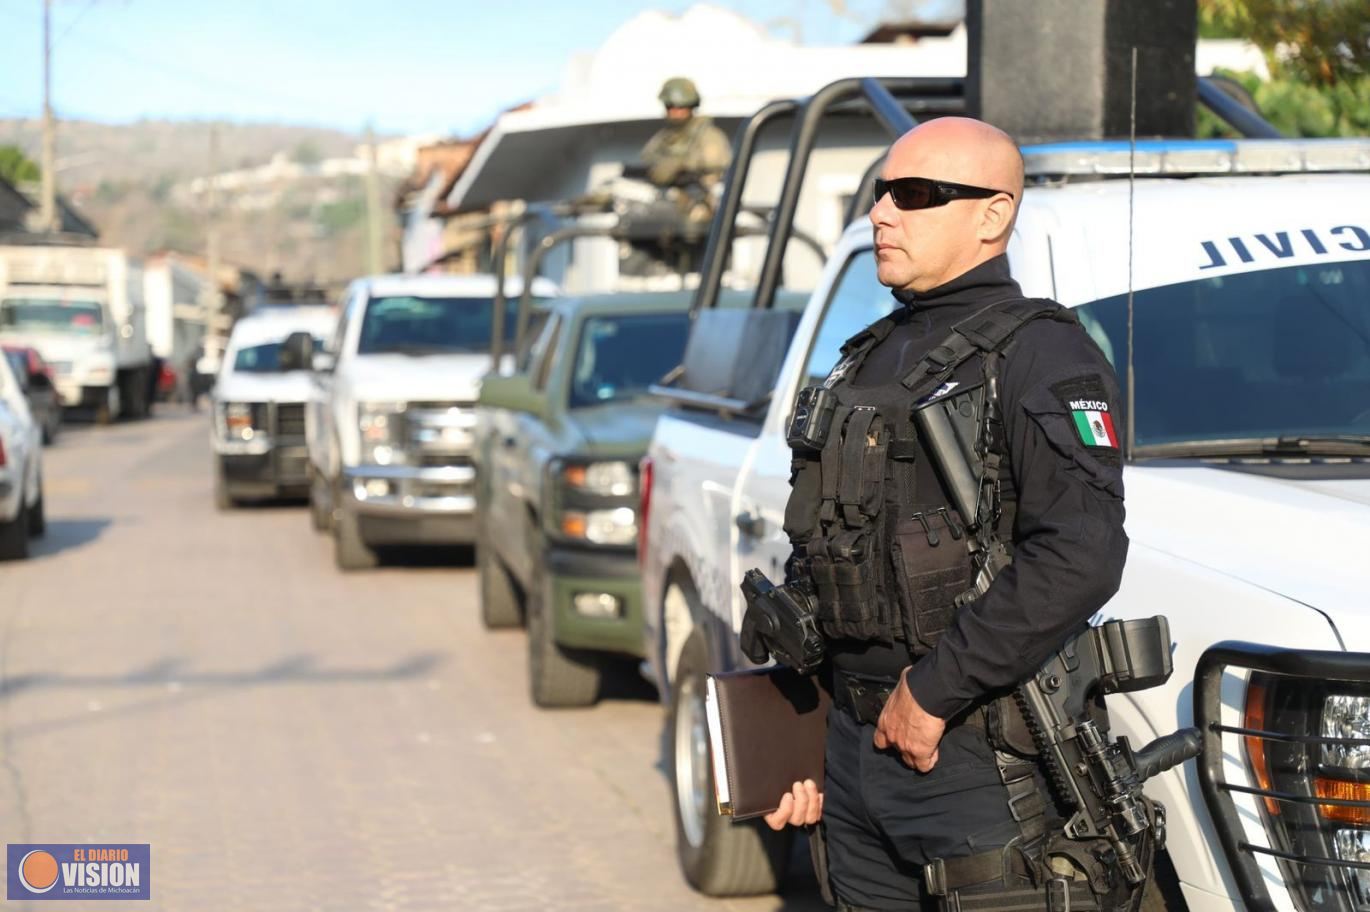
557,447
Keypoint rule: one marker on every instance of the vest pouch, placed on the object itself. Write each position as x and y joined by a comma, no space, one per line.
861,482
932,567
855,610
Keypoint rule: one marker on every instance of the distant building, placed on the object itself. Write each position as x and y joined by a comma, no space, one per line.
19,208
580,136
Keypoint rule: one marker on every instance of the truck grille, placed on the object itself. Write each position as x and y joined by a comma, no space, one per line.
439,433
289,419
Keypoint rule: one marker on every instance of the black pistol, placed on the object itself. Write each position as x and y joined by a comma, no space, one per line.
781,623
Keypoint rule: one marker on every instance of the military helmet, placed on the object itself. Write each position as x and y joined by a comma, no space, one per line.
679,92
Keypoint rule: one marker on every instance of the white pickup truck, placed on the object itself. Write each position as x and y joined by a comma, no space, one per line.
258,405
1248,499
391,413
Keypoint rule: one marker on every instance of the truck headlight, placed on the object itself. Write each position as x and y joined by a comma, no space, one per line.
237,421
381,425
605,479
1354,846
603,527
1346,716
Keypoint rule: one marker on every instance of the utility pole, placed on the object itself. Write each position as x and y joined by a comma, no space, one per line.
213,304
373,206
47,213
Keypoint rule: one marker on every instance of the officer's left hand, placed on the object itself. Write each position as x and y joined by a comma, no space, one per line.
906,727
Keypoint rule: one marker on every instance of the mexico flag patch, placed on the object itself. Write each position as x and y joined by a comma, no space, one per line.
1094,423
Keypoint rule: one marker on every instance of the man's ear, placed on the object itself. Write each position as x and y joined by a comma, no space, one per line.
996,219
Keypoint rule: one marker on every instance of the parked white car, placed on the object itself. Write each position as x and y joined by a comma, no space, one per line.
392,410
21,469
1248,498
258,405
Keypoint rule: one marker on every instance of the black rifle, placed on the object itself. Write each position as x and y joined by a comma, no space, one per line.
1100,778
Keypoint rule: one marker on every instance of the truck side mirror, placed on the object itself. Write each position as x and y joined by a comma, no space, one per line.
297,351
514,392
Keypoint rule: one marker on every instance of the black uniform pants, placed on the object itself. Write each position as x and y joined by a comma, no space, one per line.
883,821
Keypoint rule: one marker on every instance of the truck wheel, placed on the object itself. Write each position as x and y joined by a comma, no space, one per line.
14,536
320,504
106,412
717,856
223,500
350,551
38,517
500,606
557,677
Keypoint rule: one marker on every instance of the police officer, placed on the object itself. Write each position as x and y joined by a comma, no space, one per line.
923,768
689,151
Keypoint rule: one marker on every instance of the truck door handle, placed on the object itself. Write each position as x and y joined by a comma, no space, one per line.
749,525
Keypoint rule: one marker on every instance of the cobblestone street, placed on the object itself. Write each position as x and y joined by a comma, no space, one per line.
288,737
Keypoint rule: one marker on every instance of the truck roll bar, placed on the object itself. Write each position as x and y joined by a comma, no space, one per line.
1232,112
499,257
928,95
719,244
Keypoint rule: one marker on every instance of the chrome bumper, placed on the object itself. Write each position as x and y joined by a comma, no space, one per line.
411,490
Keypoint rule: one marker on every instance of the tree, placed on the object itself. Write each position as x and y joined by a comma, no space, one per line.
16,167
1323,42
307,153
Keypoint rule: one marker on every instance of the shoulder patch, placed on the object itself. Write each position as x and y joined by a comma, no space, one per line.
1087,401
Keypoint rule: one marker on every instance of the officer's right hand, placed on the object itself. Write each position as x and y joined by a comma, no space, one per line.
802,805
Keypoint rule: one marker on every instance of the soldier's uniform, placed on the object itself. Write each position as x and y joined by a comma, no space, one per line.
687,158
691,150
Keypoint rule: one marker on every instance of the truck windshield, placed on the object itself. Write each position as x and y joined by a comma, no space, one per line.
264,358
1278,353
52,315
620,356
422,326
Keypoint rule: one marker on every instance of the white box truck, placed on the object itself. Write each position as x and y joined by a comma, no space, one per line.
82,308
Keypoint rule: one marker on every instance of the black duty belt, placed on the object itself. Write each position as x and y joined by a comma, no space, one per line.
979,883
862,697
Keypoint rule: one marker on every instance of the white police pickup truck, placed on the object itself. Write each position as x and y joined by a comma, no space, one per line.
258,405
1248,499
392,410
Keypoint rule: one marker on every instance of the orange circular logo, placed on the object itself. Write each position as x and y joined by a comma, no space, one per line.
38,871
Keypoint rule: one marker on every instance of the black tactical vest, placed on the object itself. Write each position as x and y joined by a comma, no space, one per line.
869,517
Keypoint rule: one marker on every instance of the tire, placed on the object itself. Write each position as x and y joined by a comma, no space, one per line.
500,605
320,504
108,411
717,857
350,551
14,536
557,677
38,517
135,394
223,500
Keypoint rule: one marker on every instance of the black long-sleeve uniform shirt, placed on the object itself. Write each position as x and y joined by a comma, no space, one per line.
1062,414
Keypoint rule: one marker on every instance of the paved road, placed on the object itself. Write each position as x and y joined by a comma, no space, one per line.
287,737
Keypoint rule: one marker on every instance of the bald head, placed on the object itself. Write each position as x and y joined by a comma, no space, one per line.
920,249
962,150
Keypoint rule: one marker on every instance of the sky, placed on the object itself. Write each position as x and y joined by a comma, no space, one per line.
407,66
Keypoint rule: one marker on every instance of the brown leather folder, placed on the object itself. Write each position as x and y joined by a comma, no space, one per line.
767,729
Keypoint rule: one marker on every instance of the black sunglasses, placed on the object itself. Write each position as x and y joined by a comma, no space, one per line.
925,193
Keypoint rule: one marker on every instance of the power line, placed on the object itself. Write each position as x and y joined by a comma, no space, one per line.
73,23
220,85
